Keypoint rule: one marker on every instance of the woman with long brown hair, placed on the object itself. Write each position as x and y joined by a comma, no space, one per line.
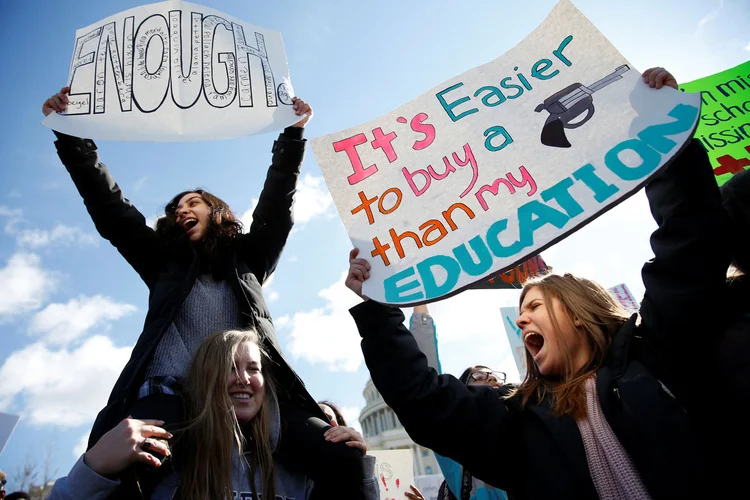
204,274
605,410
228,443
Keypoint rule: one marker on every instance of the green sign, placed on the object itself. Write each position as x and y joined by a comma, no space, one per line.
724,128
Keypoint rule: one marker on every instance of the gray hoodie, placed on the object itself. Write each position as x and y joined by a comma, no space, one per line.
82,483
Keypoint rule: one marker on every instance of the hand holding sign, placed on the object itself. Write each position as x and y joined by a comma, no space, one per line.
359,271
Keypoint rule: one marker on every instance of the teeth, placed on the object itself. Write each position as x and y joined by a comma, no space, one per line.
241,395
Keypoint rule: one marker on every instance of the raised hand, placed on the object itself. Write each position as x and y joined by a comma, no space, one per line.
359,271
337,434
56,103
302,108
658,77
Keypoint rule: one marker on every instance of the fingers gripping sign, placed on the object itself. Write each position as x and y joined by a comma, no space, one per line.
359,271
302,108
56,103
658,77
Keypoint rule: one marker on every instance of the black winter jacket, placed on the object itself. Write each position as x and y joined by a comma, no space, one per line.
643,386
169,279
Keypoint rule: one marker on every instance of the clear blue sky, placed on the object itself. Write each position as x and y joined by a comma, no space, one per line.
353,61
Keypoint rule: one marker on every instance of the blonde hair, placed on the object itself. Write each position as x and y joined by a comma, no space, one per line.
213,433
599,315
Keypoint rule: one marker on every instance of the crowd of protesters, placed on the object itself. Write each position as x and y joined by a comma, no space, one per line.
612,405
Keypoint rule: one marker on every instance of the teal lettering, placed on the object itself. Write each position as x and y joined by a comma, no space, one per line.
493,132
393,290
649,160
431,288
537,70
558,53
527,224
655,135
559,193
449,107
511,86
493,241
601,189
466,261
491,92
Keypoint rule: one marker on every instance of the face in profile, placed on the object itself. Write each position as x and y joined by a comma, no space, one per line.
549,346
485,376
192,215
246,387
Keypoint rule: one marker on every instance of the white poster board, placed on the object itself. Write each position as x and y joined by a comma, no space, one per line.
622,294
510,315
500,162
429,485
395,472
175,71
7,426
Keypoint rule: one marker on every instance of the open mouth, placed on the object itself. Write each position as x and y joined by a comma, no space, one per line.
240,396
534,342
189,224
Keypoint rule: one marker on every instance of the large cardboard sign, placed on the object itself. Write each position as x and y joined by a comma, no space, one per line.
7,426
724,128
395,472
510,315
175,71
474,176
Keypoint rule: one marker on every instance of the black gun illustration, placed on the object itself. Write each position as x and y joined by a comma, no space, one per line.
570,103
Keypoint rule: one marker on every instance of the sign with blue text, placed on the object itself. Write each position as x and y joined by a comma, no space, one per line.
175,71
479,173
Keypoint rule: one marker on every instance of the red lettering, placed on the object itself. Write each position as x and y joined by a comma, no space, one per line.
428,130
349,145
383,141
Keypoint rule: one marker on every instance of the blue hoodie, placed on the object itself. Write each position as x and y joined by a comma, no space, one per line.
453,473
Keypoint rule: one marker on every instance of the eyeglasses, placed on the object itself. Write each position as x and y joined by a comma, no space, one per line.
482,376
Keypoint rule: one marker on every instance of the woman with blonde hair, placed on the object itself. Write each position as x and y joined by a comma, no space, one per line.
605,409
227,448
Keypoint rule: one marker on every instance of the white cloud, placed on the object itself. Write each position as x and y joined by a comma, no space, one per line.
80,448
139,184
293,258
705,20
747,47
326,335
25,284
64,388
273,296
311,200
60,324
59,235
14,216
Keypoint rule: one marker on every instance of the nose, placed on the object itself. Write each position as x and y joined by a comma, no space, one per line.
243,378
522,320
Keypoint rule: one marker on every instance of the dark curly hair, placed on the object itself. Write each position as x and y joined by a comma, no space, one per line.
222,228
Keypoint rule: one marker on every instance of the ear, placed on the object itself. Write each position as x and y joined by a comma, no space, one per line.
577,322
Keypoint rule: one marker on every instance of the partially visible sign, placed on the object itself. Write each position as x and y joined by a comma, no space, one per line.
622,294
7,426
516,277
429,485
510,315
175,71
724,127
395,472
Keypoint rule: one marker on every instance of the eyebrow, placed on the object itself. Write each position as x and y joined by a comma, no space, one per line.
189,200
523,308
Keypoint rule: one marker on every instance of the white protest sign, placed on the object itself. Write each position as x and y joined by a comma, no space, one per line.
395,472
175,71
429,485
498,163
7,426
510,315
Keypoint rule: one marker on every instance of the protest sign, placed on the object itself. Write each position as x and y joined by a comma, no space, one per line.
510,315
724,127
395,472
175,71
622,295
429,485
7,426
500,162
515,278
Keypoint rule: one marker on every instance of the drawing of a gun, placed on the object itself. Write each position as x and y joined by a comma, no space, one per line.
570,103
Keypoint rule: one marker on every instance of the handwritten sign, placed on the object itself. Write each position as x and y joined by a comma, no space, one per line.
622,295
724,128
7,426
175,71
395,471
500,162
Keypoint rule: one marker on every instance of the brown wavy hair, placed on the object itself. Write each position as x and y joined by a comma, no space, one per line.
222,228
600,317
213,434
